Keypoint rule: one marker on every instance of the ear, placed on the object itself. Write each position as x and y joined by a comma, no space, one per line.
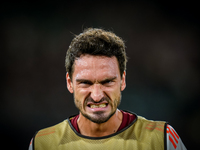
69,83
123,81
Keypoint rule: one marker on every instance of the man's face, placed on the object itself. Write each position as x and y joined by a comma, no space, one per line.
97,85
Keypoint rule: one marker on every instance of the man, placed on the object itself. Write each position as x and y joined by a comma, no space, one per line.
96,64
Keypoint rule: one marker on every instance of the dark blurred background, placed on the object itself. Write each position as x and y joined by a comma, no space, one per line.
162,40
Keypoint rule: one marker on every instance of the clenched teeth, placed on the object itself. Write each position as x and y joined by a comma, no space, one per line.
98,106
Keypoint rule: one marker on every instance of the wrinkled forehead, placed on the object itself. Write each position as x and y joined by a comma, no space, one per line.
88,65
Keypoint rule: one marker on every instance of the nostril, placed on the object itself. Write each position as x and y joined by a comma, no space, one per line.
97,97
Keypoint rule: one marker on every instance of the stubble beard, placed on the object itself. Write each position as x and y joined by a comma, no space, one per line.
100,116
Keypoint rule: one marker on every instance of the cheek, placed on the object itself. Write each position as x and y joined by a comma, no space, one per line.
80,95
78,103
82,92
114,93
79,100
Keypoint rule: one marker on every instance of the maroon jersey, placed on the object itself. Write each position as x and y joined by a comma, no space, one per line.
127,119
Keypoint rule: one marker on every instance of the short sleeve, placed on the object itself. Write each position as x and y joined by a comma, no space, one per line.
173,141
31,145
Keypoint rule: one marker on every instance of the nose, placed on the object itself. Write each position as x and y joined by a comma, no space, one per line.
97,93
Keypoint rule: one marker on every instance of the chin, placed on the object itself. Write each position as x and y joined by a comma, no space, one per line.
98,117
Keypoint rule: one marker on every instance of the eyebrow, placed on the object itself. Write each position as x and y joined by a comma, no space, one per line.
89,81
108,79
83,80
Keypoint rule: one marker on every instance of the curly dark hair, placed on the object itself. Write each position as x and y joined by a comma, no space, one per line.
97,42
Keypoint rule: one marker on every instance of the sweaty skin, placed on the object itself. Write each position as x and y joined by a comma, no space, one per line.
97,85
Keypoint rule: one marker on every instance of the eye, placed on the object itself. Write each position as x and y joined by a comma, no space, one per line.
86,82
108,82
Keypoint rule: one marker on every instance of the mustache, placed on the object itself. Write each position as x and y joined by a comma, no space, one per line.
103,99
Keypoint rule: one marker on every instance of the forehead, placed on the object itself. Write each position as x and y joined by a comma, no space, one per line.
95,66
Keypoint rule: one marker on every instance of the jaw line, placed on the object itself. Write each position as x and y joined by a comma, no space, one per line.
98,121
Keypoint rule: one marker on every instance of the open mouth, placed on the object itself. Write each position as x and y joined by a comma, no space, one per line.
103,105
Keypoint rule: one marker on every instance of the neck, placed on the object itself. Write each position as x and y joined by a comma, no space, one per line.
89,128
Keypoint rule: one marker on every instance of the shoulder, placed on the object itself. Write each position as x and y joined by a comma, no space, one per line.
56,129
151,124
149,133
141,124
48,137
164,133
173,140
